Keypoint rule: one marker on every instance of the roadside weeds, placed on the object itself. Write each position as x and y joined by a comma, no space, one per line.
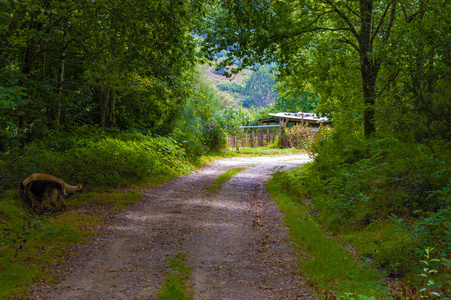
332,269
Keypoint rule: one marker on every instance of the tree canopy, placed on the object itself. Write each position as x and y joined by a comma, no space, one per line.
358,55
374,66
105,63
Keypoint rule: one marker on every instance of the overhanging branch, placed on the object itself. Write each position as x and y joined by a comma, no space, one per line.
381,22
346,41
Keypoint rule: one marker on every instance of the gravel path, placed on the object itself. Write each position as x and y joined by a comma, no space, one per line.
235,240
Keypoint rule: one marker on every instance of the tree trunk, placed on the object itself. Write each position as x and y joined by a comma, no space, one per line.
111,120
25,69
369,67
103,103
107,102
57,108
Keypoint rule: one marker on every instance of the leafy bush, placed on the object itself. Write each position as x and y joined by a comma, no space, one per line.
376,178
359,184
314,142
202,128
298,136
106,160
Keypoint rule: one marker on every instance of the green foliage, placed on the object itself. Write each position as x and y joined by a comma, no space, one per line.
234,118
292,98
389,73
259,88
106,160
430,231
431,267
65,64
369,179
202,127
359,186
30,243
233,87
417,100
332,269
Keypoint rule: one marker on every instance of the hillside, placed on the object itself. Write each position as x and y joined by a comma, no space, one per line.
247,88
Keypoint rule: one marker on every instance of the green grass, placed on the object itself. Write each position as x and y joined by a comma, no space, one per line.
216,185
30,243
175,283
331,267
382,243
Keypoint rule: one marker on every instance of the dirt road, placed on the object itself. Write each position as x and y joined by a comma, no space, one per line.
236,243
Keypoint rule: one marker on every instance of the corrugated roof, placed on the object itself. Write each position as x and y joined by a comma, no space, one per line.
300,115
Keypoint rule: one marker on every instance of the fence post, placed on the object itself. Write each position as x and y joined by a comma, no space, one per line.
268,136
260,138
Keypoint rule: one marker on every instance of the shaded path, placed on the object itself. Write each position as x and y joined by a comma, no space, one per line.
235,240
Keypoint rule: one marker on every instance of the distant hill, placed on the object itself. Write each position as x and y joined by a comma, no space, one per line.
248,88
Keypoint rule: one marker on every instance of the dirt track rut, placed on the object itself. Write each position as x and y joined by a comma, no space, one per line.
236,243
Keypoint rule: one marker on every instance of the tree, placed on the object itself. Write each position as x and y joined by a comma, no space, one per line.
288,31
107,63
294,100
420,67
259,88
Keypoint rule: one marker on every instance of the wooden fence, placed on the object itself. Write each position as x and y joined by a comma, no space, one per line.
253,136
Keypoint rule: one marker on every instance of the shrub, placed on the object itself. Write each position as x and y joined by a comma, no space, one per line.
298,136
201,128
390,197
314,142
104,161
376,178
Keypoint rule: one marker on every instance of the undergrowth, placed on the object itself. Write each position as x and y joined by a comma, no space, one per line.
389,199
30,243
98,161
332,269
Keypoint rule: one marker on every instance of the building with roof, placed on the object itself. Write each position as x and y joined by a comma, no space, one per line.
269,128
283,118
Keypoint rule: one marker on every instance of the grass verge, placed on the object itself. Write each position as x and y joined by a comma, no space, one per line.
175,283
31,243
216,185
332,269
